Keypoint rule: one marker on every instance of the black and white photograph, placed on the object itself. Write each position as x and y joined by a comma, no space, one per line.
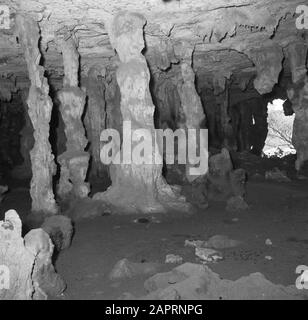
154,153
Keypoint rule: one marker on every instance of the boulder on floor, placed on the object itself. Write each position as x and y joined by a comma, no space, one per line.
124,269
60,230
198,282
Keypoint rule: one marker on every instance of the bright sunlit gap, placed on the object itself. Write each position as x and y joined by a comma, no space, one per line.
280,127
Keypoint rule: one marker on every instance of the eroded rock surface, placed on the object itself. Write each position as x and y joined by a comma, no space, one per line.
26,268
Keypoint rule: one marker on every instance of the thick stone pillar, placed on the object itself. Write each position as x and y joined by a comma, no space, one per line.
136,187
40,106
74,161
191,106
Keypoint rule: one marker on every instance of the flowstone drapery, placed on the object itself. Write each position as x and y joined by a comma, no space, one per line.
74,161
136,187
40,107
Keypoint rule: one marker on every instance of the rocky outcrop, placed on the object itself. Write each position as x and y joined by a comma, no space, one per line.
198,282
268,62
26,268
95,116
40,107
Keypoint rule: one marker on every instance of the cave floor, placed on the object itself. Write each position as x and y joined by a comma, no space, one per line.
278,212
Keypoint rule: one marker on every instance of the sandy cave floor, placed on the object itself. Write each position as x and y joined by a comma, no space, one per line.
278,212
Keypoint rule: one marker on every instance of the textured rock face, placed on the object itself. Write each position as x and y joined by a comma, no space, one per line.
198,282
74,161
222,181
298,95
40,106
26,269
268,62
60,230
95,117
191,106
136,187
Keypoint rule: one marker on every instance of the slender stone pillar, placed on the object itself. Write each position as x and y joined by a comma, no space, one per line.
74,161
40,106
95,117
191,107
136,187
298,95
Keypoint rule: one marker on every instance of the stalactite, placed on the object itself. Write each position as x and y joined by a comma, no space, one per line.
74,161
268,62
40,106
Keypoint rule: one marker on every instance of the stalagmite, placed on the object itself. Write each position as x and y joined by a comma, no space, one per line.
74,161
268,62
191,106
40,106
136,187
26,270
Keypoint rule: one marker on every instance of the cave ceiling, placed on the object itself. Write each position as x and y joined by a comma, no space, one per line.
221,32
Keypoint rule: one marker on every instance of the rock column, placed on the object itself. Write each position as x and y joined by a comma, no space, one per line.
95,117
74,161
298,95
40,107
136,187
191,106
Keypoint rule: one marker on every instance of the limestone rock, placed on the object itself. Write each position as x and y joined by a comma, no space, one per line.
25,263
60,231
268,61
45,279
173,258
42,160
221,242
236,203
276,175
220,164
208,255
198,282
124,269
3,190
74,161
136,187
